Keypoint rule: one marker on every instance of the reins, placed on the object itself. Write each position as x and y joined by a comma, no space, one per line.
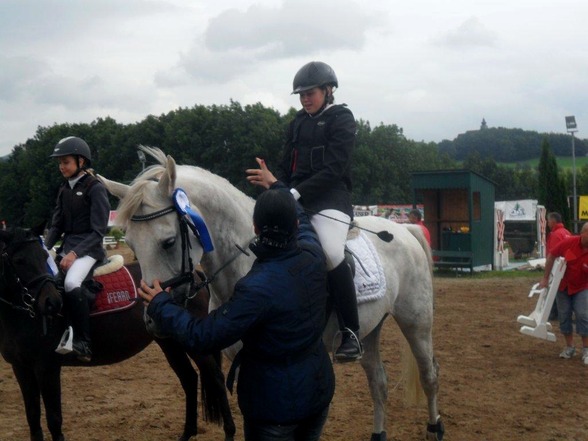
207,281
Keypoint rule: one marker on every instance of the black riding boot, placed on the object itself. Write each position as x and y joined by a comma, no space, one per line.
342,289
79,315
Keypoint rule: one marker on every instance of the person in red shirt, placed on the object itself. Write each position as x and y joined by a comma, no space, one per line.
414,217
557,233
572,295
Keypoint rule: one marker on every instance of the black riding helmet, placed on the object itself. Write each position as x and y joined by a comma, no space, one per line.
74,146
314,74
275,217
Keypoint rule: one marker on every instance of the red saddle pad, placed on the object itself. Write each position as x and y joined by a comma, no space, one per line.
118,293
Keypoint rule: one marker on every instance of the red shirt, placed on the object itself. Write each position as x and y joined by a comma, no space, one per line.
425,231
575,278
557,234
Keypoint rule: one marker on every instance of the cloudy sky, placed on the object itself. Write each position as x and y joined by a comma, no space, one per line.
434,68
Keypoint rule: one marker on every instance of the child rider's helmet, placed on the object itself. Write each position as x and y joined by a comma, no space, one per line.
72,145
314,74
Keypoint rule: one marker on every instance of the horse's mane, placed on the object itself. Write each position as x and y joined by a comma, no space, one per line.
129,205
139,193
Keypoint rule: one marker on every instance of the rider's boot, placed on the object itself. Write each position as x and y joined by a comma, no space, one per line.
79,315
342,288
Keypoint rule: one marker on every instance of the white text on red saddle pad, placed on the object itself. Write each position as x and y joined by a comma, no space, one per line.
119,292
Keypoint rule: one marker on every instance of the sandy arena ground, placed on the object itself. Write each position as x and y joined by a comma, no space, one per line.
496,384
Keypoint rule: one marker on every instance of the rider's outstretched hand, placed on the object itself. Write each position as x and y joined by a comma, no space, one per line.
261,176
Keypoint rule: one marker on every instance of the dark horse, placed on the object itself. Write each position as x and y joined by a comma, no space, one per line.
30,330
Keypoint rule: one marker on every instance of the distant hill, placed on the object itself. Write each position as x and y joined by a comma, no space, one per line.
510,145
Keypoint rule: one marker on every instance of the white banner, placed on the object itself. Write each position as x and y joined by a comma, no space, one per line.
365,210
523,210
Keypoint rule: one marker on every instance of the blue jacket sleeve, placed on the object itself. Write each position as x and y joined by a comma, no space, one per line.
220,329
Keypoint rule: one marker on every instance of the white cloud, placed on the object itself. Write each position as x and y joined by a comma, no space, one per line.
433,68
237,41
470,34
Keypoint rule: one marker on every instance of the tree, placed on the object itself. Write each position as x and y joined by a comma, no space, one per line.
551,188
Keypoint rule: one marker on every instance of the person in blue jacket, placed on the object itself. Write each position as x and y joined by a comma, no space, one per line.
278,310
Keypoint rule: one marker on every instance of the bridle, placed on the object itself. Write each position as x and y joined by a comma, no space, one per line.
27,291
187,272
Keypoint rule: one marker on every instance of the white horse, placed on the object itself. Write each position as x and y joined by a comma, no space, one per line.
227,212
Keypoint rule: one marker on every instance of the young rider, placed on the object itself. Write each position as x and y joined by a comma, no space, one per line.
81,217
317,167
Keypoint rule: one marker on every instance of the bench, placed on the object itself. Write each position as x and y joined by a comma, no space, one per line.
453,259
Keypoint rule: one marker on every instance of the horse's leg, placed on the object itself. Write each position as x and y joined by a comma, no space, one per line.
32,399
180,363
49,378
214,392
418,333
377,380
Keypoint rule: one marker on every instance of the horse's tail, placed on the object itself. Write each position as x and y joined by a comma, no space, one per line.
413,389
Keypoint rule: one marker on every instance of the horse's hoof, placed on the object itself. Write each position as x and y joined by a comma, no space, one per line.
435,432
186,436
378,436
37,436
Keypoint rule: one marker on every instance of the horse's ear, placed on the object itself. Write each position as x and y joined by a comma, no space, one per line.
38,230
115,188
167,181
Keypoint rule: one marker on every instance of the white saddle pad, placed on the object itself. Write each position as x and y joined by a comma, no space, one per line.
370,282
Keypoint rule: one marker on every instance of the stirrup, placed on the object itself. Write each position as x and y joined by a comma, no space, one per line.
65,346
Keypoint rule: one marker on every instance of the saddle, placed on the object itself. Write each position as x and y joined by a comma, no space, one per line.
113,287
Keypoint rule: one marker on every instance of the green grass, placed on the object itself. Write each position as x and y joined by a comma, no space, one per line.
565,162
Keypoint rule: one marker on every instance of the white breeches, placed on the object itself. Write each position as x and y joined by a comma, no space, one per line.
78,271
332,235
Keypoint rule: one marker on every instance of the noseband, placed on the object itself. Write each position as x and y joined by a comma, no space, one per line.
27,300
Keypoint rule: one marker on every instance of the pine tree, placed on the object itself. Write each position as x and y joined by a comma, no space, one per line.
551,186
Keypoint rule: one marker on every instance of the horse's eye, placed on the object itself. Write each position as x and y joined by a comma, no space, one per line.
168,243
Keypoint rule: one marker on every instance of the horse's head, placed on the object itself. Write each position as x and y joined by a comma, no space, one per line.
27,284
153,227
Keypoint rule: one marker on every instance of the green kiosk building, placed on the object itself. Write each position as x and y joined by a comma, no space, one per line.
459,213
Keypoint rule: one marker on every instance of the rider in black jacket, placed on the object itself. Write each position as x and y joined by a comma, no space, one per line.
81,217
317,167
